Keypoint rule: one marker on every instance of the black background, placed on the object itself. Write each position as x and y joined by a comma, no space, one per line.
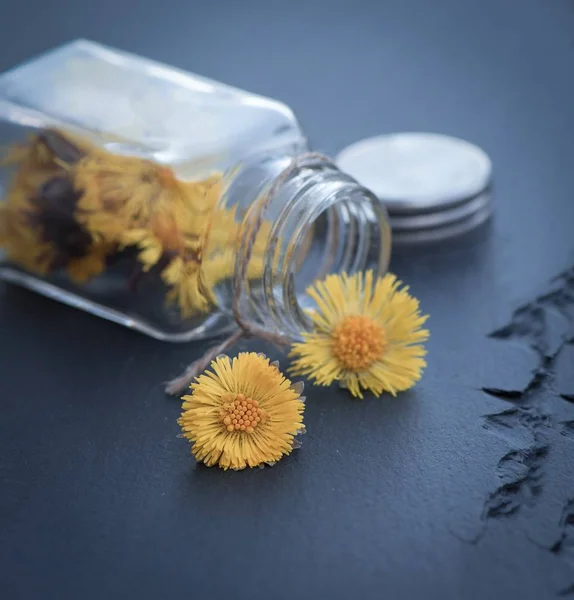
423,496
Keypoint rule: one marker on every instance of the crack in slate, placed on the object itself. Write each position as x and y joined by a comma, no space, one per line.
521,424
521,475
567,429
564,379
536,324
539,376
503,394
546,325
530,321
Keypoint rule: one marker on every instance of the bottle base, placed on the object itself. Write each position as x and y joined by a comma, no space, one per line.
213,324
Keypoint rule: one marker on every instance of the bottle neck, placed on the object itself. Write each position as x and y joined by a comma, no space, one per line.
298,224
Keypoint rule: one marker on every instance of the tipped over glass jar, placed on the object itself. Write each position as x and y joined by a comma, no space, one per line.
139,193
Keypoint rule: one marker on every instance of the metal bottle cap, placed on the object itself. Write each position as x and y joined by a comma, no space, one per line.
426,180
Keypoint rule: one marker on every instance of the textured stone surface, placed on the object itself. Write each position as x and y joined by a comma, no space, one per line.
565,373
459,489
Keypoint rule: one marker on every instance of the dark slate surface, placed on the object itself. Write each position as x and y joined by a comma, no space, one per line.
462,488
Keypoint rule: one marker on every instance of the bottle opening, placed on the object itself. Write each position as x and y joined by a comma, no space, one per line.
324,223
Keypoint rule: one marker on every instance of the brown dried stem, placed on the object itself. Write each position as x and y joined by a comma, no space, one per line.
178,385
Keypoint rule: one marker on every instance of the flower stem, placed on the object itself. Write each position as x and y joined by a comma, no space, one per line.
177,386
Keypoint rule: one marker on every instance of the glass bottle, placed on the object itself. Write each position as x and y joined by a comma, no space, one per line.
131,190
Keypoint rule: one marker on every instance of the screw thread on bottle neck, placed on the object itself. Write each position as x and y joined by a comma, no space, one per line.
319,221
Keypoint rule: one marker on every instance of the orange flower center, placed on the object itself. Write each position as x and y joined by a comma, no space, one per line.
240,413
358,342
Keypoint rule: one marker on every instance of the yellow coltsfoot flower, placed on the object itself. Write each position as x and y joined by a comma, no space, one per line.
243,413
367,334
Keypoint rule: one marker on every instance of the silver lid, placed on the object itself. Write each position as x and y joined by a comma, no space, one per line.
426,180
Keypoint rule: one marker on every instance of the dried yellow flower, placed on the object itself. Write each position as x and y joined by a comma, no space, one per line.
38,229
78,207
